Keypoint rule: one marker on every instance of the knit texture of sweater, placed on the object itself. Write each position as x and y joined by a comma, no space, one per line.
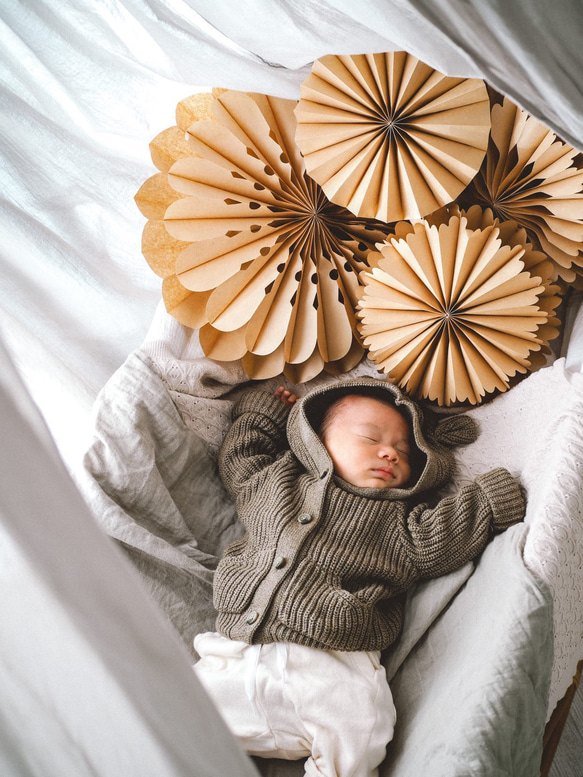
324,563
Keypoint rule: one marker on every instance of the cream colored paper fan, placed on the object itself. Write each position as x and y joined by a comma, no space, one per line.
531,177
450,313
254,254
389,137
535,262
160,249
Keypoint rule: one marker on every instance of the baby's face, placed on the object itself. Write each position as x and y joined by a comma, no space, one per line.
368,442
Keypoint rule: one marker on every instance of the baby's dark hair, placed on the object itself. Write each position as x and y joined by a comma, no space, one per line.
334,409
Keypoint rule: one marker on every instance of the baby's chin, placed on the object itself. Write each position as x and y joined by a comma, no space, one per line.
377,485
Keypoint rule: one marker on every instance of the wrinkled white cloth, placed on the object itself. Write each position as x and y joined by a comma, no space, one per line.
94,681
536,431
283,700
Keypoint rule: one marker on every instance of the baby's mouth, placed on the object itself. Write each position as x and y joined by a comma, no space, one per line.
384,472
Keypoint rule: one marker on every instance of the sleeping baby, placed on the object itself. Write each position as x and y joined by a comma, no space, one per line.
336,493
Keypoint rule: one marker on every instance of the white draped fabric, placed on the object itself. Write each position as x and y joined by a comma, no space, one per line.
94,681
91,676
86,84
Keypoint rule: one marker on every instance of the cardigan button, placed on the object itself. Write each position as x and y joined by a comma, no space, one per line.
252,617
280,562
305,518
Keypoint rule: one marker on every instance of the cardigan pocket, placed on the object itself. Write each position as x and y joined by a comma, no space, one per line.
320,608
237,577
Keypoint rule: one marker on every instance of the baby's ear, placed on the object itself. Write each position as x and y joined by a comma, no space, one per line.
455,430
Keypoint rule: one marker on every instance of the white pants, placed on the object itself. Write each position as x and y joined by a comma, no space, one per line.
283,700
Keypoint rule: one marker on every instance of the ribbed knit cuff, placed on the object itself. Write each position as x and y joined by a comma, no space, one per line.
505,495
259,401
456,430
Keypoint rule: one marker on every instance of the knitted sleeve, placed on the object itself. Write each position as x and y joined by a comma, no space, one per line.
441,539
256,438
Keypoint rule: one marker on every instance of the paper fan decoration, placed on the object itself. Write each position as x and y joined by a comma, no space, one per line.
535,262
253,252
530,176
160,249
450,313
389,137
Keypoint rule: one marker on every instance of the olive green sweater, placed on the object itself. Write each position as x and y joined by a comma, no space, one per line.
327,564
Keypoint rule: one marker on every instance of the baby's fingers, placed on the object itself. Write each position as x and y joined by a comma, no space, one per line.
286,396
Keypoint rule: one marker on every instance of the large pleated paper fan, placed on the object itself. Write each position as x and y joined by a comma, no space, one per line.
535,262
160,249
256,256
389,137
531,177
450,313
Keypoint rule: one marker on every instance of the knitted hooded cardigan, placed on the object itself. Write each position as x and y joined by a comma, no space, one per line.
324,563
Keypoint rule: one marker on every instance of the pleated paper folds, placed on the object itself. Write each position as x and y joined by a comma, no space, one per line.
531,177
252,252
389,137
452,313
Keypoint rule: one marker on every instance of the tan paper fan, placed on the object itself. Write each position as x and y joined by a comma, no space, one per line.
388,137
529,176
159,248
535,262
268,267
449,313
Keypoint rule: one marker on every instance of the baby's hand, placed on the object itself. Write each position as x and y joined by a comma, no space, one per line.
286,396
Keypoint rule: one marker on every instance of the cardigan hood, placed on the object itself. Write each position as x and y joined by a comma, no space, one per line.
432,436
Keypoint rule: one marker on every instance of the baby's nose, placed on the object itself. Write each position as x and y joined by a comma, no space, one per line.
388,452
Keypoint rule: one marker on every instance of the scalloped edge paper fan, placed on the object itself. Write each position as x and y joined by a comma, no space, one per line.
449,313
530,176
535,262
269,267
389,137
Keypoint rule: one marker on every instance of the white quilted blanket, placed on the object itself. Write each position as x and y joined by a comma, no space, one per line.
536,431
